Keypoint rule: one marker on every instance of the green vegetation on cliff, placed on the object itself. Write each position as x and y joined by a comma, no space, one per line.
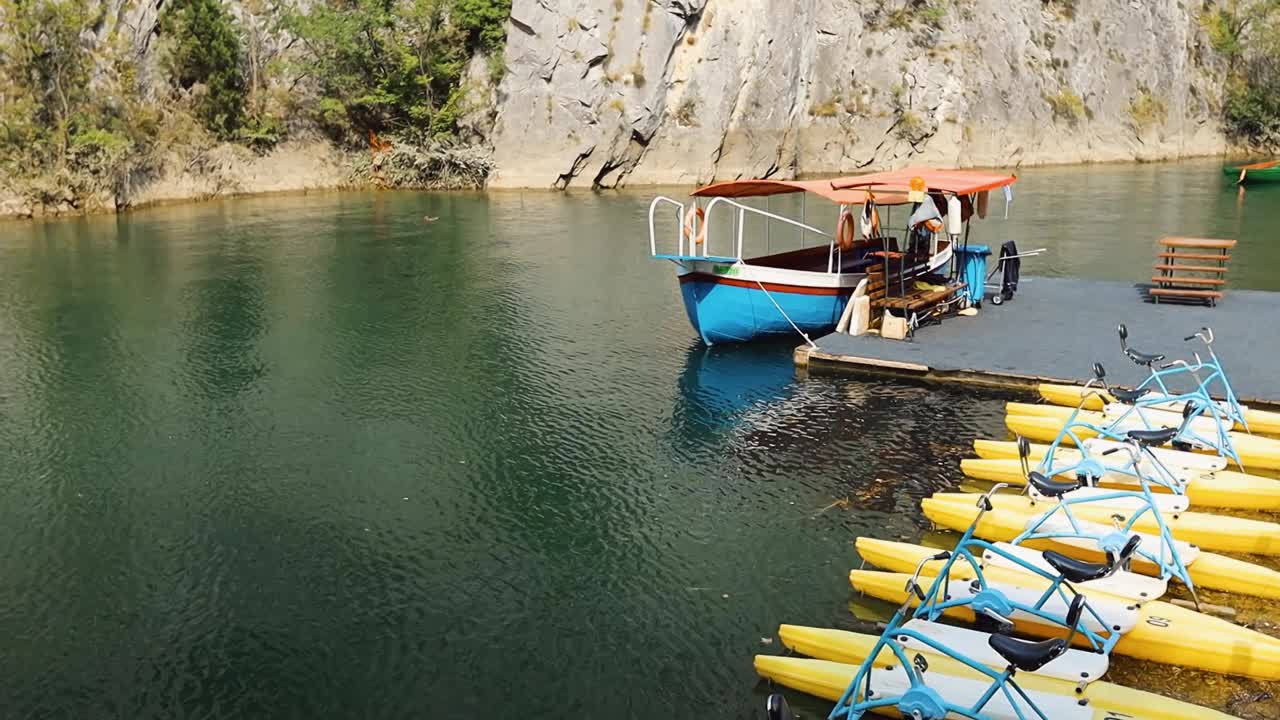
78,123
206,50
72,121
1247,34
382,66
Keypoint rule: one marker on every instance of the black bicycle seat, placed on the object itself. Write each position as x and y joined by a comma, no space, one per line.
1141,358
1076,571
1128,396
1024,655
1048,486
1152,437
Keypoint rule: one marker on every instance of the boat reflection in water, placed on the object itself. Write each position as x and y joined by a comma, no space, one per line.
872,446
721,385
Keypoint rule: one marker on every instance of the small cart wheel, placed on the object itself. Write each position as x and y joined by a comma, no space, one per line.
997,299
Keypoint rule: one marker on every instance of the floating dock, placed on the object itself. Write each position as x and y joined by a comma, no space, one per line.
1054,329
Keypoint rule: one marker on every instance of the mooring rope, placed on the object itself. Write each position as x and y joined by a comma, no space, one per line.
795,327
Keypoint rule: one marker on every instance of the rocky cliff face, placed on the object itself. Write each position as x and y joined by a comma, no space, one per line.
610,92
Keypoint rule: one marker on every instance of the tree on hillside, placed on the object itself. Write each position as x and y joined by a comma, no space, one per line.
205,50
71,120
390,66
46,77
1247,34
484,21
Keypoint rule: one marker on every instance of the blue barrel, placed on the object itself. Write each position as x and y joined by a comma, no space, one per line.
973,270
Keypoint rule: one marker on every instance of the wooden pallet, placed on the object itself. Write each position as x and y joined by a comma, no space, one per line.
1191,269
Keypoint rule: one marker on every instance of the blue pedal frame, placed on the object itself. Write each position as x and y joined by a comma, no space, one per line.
919,697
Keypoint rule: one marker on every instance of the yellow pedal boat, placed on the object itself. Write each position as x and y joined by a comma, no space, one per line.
1158,631
1206,569
828,679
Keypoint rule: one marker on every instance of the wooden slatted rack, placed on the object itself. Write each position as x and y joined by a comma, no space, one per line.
1191,269
885,297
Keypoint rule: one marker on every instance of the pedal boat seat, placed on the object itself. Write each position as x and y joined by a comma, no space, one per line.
1028,656
1141,358
1129,397
1076,571
1153,437
1079,571
1049,487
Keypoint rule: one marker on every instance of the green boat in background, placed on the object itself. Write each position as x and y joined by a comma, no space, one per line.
1256,173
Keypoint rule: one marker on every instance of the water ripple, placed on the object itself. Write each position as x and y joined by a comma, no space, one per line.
310,457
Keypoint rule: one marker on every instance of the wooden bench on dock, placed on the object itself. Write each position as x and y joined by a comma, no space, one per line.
1191,269
916,300
890,295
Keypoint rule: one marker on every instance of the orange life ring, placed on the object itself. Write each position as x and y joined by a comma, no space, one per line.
846,234
695,212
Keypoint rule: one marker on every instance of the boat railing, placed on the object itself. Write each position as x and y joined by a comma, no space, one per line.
653,235
739,220
686,242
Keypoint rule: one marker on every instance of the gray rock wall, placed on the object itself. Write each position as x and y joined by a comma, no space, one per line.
611,92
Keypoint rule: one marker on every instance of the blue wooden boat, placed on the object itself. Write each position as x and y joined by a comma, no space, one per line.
730,297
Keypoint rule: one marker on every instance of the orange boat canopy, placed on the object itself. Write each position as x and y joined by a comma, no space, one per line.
958,182
828,189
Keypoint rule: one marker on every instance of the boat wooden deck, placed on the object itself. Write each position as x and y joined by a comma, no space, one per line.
1054,329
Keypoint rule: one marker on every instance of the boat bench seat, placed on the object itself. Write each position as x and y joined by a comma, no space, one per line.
917,299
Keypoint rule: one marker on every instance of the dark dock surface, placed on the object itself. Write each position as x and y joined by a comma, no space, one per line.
1054,329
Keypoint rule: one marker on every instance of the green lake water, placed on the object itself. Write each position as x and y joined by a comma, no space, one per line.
311,456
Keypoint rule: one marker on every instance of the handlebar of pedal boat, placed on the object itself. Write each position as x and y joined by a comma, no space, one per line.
1084,398
1133,447
913,585
1205,334
919,591
984,502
